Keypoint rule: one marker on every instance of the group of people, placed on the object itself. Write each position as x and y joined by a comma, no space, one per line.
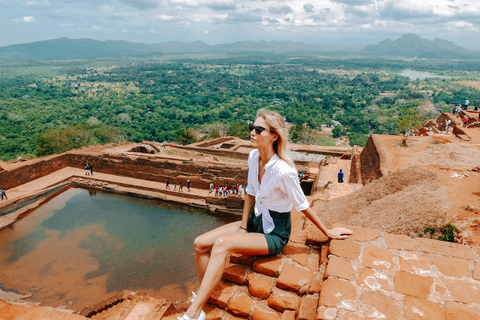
180,186
3,193
227,189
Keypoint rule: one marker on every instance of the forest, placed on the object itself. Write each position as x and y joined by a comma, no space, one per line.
51,107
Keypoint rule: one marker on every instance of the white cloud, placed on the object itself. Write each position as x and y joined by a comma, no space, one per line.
28,19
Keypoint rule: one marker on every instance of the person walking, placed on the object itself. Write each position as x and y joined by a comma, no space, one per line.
91,170
465,121
448,123
188,185
211,187
266,224
87,168
340,176
174,186
216,191
4,193
167,184
180,189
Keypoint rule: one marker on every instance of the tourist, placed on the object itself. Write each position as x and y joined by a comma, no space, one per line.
164,144
91,170
220,190
240,189
464,103
211,187
302,175
340,176
87,168
448,123
188,185
1,193
216,191
167,184
180,188
476,107
4,193
453,108
266,224
465,121
174,186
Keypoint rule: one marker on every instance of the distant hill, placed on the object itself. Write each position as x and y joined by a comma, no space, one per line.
409,45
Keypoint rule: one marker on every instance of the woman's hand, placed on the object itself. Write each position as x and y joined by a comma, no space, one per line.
339,233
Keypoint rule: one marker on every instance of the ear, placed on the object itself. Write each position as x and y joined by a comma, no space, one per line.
275,137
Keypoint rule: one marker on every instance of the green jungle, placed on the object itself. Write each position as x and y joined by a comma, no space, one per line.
50,107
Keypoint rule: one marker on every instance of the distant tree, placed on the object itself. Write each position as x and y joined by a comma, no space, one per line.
187,136
409,121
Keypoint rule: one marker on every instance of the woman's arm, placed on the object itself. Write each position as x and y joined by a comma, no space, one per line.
336,233
247,209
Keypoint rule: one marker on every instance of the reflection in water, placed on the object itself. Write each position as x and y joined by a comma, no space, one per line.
84,246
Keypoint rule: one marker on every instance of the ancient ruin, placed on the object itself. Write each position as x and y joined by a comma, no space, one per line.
390,195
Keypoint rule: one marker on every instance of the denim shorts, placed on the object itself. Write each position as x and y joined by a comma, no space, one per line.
278,238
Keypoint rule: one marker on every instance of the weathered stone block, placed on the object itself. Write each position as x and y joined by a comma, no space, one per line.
459,311
313,259
359,234
413,285
345,249
418,309
241,305
379,307
464,291
288,315
294,278
316,283
338,293
222,294
372,279
445,248
326,313
242,259
377,258
283,300
451,267
399,242
340,268
298,252
308,308
259,285
268,265
235,273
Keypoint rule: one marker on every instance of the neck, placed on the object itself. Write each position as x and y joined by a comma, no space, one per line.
266,153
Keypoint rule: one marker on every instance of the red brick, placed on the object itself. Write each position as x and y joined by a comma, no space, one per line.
214,313
298,236
242,259
326,313
316,283
340,268
241,305
222,294
294,278
314,235
414,262
313,259
345,249
379,307
338,293
265,313
268,265
324,253
377,258
260,285
288,315
359,234
451,267
458,311
445,248
464,291
298,252
399,242
351,316
283,300
235,273
372,279
308,308
413,285
476,273
418,309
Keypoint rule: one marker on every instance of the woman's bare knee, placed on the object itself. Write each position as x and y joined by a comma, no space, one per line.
201,244
221,246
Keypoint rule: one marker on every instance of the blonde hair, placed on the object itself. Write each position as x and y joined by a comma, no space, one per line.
277,125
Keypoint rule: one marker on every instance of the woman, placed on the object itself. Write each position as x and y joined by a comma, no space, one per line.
273,189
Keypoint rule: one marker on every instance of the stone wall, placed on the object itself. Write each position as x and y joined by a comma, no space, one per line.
355,174
370,161
200,174
441,121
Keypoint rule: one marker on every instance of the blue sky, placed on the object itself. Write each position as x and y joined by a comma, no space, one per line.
346,22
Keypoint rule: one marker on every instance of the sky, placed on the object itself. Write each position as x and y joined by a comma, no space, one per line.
347,22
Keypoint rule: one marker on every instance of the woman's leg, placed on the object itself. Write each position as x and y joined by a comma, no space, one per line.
203,245
245,243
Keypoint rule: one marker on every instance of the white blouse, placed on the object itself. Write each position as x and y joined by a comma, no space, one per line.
279,191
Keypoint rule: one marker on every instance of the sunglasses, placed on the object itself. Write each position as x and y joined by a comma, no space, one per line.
258,129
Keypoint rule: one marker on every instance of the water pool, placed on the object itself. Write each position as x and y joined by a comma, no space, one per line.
83,246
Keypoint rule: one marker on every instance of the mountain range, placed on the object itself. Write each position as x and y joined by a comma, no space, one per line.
409,46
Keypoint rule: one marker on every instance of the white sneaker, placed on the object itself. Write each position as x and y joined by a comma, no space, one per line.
202,316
